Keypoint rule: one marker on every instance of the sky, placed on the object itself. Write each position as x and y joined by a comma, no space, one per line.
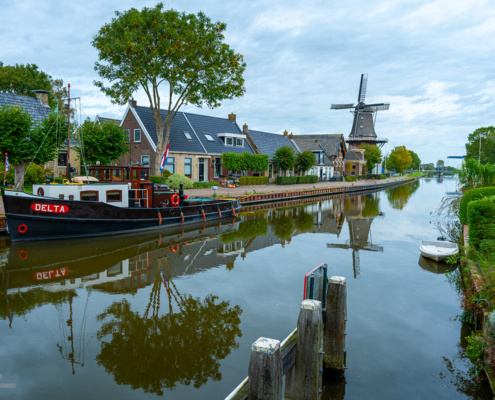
432,60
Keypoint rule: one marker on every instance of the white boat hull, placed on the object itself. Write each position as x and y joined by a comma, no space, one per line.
438,250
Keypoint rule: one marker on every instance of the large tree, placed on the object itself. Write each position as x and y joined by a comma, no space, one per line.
305,160
399,159
372,155
25,142
285,158
143,49
100,142
415,160
484,139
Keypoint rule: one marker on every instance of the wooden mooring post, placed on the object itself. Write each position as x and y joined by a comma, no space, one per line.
335,324
265,371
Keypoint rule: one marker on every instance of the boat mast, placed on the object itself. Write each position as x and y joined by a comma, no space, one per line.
68,135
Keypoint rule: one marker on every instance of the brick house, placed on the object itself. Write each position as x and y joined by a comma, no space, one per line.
355,164
196,142
324,166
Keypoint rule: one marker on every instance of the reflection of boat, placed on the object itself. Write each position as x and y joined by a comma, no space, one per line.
437,267
438,250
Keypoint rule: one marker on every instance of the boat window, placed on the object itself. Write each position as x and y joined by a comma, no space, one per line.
114,195
89,195
117,175
134,175
144,174
127,175
106,174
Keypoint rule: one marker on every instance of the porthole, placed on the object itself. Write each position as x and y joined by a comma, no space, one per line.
41,192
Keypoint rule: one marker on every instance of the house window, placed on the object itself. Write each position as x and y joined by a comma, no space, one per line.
208,137
62,159
239,142
126,135
218,167
171,164
229,141
188,167
145,161
137,135
270,171
244,172
114,195
89,195
188,135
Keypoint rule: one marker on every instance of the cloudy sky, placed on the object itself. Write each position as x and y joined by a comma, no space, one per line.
432,60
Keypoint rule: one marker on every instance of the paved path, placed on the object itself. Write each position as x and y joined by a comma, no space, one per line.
269,189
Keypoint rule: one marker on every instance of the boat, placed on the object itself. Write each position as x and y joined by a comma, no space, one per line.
438,250
436,267
118,200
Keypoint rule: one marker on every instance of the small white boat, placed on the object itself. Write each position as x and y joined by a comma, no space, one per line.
438,250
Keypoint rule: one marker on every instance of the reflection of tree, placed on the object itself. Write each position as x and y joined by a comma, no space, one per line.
283,226
371,206
247,229
399,196
304,221
157,352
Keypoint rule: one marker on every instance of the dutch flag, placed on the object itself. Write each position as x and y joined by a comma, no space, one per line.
7,165
164,158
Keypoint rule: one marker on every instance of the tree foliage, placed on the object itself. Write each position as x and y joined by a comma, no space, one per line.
305,160
415,164
440,164
399,159
100,142
25,142
485,138
285,158
142,49
372,155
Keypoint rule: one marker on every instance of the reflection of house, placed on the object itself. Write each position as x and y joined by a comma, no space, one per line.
196,142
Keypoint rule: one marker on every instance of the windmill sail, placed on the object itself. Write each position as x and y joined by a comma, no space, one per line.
362,88
340,106
377,107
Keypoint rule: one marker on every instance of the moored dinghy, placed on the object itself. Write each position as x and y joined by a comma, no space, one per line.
438,250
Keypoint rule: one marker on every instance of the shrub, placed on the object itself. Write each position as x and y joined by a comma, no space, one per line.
382,176
350,179
204,185
307,179
252,180
470,195
34,175
157,178
286,180
481,220
174,181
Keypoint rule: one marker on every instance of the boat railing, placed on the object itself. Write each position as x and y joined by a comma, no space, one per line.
139,198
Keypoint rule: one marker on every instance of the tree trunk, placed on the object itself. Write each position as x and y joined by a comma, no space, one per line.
161,145
19,175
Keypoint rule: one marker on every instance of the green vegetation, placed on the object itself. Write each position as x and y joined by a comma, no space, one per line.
382,176
245,161
483,138
350,178
481,221
156,179
474,175
399,159
252,180
292,180
372,155
204,185
188,52
105,143
471,195
305,160
285,158
400,195
174,181
247,229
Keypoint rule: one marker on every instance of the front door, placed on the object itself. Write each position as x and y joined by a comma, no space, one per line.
201,169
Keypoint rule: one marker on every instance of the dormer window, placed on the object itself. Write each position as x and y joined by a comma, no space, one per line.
229,141
239,142
208,137
232,139
187,135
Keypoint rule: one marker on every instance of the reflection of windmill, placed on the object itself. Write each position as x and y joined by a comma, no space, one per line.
359,231
363,126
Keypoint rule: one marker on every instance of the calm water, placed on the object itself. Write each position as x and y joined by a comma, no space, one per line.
175,314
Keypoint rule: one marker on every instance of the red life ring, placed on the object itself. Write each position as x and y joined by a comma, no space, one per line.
23,254
22,228
41,192
175,200
174,248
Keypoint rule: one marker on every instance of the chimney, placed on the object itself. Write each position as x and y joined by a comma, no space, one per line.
291,136
286,133
317,141
244,128
232,117
133,103
43,96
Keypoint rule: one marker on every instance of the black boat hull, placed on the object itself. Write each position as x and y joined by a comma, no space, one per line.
91,218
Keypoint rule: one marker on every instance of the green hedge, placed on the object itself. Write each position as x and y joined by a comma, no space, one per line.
481,220
286,180
204,185
382,176
252,180
350,179
470,195
307,179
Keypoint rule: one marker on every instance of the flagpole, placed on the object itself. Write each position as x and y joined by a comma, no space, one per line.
5,171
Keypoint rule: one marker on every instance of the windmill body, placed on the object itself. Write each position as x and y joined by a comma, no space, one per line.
363,125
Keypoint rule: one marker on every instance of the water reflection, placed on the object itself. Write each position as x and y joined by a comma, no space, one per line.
400,195
436,267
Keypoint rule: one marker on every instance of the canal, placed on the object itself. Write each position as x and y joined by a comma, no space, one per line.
175,314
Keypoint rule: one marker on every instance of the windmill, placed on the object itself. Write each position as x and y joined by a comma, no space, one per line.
363,126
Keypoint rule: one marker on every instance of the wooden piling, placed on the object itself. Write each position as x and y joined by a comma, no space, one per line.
265,370
335,323
305,383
